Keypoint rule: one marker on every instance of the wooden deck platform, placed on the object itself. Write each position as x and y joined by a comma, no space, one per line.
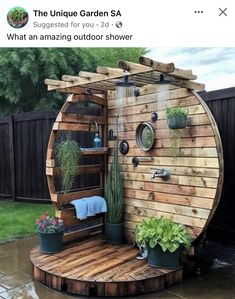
94,267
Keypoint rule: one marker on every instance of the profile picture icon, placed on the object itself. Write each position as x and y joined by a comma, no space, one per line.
17,17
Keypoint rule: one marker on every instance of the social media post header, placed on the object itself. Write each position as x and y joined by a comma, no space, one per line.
104,23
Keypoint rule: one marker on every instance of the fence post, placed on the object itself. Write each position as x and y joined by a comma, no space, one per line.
12,157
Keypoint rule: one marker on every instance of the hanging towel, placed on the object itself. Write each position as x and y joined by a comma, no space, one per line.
80,207
89,206
96,205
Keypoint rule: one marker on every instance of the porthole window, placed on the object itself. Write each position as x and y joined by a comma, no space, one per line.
145,136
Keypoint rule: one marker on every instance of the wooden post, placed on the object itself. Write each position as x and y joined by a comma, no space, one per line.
12,157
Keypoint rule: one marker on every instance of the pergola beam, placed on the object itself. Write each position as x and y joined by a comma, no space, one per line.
147,66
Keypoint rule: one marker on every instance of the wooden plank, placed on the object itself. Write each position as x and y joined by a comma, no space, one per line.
129,131
167,68
82,233
81,169
177,170
132,218
91,76
177,180
110,72
12,157
165,95
156,65
76,195
172,189
88,98
134,151
180,161
191,201
85,119
64,126
168,208
191,85
153,105
133,67
94,151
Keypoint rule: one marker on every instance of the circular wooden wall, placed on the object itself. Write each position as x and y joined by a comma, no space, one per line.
192,193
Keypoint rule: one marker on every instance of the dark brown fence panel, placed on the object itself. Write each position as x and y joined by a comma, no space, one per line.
5,176
222,106
23,146
31,133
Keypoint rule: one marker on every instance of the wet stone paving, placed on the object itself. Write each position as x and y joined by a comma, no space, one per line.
214,277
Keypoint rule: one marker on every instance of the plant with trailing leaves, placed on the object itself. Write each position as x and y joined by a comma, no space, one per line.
114,191
164,232
176,116
68,154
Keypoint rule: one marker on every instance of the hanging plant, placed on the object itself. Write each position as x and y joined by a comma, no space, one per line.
175,142
176,117
68,155
176,120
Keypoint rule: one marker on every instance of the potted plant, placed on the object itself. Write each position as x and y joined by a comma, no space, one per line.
176,117
17,17
114,199
68,155
50,231
165,241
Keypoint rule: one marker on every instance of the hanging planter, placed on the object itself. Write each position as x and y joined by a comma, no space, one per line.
177,118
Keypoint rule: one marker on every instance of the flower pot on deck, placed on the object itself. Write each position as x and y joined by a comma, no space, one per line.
51,242
114,233
158,258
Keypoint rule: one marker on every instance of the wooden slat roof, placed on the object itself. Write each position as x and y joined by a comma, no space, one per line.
147,71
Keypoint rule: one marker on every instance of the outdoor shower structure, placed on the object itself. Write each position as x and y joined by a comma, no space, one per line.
131,101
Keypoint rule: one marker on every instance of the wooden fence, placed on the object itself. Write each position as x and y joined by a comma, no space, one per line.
23,146
222,106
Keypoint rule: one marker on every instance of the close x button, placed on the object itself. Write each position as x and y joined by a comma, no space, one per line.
223,12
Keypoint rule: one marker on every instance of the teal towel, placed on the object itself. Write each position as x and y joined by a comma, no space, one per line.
81,208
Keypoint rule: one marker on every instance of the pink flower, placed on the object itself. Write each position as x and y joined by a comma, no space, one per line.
53,222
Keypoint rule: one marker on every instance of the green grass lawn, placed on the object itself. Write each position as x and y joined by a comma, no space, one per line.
17,219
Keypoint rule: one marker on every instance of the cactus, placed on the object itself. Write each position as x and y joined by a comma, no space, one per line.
114,191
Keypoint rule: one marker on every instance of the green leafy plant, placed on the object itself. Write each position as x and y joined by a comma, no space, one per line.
114,191
163,231
47,224
17,17
68,155
176,111
175,138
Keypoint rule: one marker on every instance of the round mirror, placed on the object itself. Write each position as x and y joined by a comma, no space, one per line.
145,136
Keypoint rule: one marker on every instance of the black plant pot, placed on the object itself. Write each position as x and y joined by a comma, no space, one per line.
158,258
51,242
113,233
177,122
